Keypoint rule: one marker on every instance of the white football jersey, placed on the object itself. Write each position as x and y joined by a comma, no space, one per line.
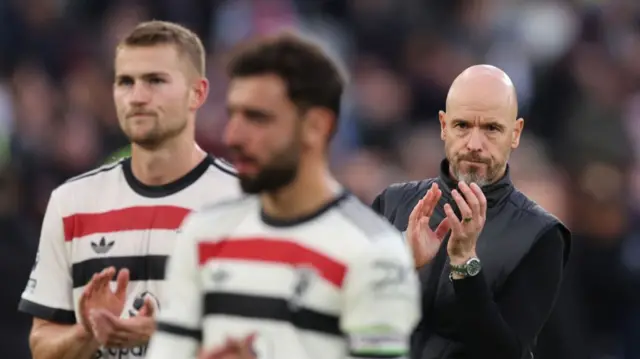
107,217
340,283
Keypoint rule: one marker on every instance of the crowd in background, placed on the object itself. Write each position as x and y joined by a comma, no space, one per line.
575,64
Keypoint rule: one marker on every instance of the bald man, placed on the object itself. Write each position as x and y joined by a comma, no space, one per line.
489,258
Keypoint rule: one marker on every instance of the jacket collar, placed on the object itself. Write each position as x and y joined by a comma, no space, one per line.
495,192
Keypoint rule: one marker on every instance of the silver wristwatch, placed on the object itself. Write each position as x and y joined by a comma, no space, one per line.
470,268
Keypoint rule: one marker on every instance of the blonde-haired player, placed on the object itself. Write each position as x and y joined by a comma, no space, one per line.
124,217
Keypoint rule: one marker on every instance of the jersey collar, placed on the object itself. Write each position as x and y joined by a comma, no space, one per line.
278,222
169,188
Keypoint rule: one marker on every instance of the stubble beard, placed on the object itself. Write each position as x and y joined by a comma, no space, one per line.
155,137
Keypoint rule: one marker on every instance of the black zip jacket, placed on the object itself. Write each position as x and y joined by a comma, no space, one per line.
498,313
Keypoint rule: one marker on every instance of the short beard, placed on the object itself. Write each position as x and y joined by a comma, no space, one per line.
280,172
471,177
268,180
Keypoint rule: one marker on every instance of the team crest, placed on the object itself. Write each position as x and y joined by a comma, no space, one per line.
304,276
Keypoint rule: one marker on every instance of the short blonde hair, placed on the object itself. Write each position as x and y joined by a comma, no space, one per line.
152,33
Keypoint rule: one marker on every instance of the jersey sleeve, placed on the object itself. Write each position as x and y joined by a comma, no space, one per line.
382,300
179,331
49,291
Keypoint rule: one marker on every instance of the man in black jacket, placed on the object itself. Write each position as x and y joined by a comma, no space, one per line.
490,259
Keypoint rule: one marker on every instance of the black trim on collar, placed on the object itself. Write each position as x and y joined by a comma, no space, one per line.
495,192
277,222
165,189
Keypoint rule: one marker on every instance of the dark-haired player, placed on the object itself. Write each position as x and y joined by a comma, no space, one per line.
299,265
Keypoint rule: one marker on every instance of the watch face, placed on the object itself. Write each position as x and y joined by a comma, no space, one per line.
473,267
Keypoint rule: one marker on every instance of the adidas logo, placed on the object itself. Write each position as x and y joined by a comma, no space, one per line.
102,247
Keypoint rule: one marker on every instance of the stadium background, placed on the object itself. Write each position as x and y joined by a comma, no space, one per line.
576,65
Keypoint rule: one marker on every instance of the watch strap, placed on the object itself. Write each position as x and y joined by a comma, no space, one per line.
470,268
459,269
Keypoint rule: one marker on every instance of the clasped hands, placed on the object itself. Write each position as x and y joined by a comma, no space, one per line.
100,308
425,242
232,349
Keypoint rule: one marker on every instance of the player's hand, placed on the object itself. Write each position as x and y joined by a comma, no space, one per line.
97,294
232,349
114,332
465,231
423,241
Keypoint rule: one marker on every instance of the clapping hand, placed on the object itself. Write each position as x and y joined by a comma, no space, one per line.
423,241
232,349
465,232
114,332
97,294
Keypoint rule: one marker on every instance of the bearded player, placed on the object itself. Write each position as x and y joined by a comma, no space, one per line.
300,266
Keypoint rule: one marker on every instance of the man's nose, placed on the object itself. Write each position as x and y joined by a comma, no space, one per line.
232,135
140,94
476,139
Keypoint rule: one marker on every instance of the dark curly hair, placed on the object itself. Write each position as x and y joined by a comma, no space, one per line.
312,78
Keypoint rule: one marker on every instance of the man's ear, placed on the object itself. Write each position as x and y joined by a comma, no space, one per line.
442,117
517,132
199,93
317,127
